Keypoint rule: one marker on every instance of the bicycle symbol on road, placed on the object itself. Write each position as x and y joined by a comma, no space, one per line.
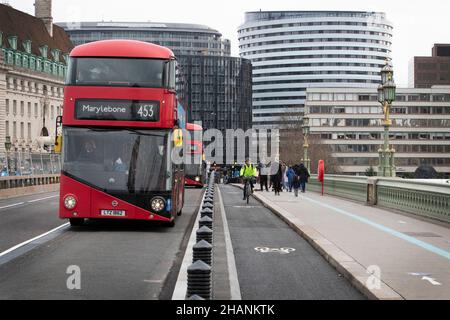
282,251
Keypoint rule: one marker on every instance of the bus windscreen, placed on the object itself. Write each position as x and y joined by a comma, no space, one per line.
117,160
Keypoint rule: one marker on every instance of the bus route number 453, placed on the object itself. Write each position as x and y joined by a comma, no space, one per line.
146,111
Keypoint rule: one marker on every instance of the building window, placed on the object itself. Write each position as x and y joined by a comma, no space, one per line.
7,106
22,108
7,128
14,130
29,109
22,130
14,107
36,110
29,131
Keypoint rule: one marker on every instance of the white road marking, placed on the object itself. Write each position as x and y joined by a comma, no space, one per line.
4,253
432,281
154,281
37,200
12,205
281,251
246,207
420,274
232,269
402,222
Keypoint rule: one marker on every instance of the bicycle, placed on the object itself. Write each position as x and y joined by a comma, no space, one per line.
247,189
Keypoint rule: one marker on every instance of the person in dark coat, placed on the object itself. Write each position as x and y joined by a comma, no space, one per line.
263,177
303,176
277,178
296,180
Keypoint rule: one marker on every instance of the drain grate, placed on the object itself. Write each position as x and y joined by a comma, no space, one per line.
422,234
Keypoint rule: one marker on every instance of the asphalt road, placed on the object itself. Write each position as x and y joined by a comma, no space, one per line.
302,274
27,217
117,260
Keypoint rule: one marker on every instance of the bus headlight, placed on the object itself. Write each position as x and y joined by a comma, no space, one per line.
70,202
158,204
197,179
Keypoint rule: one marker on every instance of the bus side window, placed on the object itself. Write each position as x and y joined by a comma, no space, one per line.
173,74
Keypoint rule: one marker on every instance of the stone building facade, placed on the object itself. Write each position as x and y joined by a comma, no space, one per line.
33,63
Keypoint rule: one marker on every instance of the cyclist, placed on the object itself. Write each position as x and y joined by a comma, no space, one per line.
248,172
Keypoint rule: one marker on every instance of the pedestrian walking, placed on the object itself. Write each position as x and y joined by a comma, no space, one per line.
290,175
277,178
303,176
263,177
296,181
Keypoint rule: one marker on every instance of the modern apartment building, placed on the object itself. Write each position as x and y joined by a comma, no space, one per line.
295,50
426,72
349,120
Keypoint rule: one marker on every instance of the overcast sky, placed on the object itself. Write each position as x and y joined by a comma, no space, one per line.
417,24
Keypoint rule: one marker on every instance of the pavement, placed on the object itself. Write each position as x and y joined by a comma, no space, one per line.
117,259
272,261
386,255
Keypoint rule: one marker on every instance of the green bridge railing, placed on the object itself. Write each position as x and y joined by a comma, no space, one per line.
419,198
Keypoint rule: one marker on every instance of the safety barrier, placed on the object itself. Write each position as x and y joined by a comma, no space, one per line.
353,188
199,285
424,199
18,186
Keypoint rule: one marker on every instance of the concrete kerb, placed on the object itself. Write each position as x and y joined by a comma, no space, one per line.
342,262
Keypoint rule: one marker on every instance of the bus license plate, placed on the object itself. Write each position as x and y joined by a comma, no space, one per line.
113,213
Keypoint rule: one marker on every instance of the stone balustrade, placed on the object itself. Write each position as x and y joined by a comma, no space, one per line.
24,185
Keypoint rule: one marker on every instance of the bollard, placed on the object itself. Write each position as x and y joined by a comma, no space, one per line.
199,280
208,205
205,233
203,252
207,212
196,298
206,221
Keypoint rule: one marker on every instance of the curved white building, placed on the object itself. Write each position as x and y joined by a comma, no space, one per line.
293,50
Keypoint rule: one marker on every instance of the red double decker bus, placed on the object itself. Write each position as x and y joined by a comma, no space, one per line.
123,104
195,165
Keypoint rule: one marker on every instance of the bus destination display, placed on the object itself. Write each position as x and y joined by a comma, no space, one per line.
121,110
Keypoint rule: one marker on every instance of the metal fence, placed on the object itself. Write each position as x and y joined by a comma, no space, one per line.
29,164
425,199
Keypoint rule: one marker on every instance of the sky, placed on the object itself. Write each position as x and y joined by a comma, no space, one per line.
417,24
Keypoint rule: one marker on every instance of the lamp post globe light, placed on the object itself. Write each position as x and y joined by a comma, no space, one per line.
306,133
8,145
386,96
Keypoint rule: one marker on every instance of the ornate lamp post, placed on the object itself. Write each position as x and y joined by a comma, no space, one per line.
306,133
386,96
7,148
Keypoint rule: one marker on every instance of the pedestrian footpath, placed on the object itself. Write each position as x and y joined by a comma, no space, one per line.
386,255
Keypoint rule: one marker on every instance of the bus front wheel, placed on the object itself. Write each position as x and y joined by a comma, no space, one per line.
76,222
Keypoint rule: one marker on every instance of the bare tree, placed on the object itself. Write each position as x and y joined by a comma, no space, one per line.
292,145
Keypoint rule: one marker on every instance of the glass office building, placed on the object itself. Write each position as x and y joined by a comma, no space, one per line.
183,39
